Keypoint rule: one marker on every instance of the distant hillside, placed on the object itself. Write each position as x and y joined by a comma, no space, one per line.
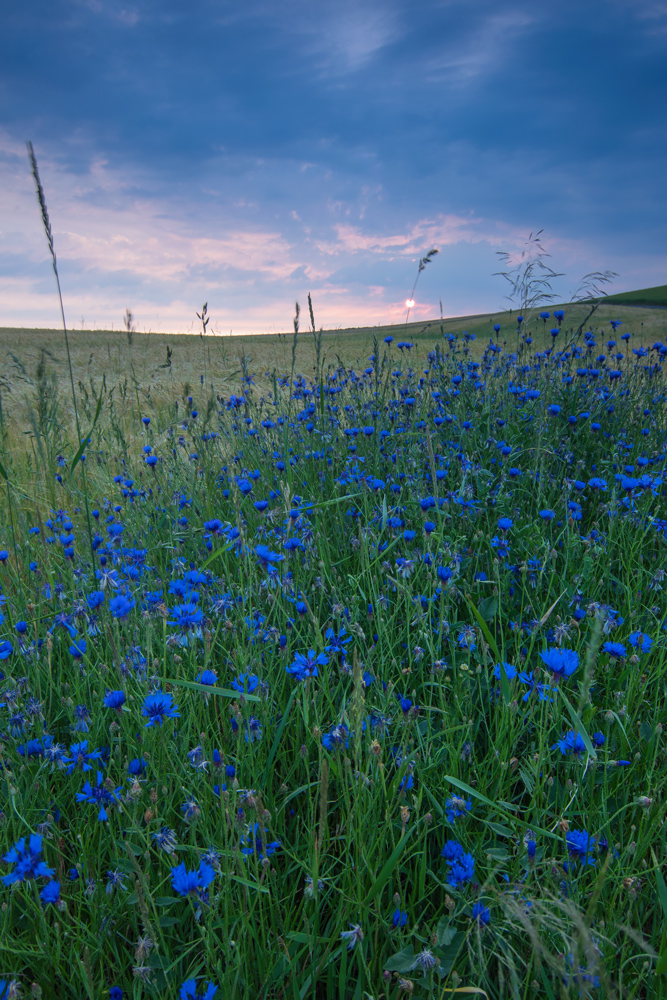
642,297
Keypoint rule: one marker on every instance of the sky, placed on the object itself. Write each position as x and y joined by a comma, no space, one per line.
245,155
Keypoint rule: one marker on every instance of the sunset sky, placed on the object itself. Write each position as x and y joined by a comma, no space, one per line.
247,154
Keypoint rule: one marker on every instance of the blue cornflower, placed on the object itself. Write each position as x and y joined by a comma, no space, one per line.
354,936
188,883
158,707
336,737
98,795
547,515
190,808
570,743
507,668
55,755
641,642
425,960
182,588
463,870
252,729
186,616
305,666
505,523
309,889
63,620
480,914
400,918
541,690
244,485
337,643
35,748
78,649
114,699
121,606
95,599
189,991
208,677
266,557
80,757
254,845
153,597
452,851
196,757
165,838
50,893
614,649
466,638
82,716
106,575
16,724
561,662
27,861
245,683
579,846
455,807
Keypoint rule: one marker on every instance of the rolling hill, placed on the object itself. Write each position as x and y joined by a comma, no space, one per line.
642,297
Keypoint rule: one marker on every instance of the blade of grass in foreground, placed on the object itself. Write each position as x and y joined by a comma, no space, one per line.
209,689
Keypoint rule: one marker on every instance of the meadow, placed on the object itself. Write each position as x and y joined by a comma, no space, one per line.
333,665
155,369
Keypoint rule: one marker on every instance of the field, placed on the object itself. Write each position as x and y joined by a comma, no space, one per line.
154,369
334,665
643,297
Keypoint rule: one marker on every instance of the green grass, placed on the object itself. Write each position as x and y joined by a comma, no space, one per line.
393,540
642,297
156,367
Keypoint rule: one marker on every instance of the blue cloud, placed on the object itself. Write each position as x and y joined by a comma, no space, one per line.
226,149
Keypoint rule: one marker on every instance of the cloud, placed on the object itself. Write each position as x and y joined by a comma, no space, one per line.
251,154
487,43
346,36
121,247
444,230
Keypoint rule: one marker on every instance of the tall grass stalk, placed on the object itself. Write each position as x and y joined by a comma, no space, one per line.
49,239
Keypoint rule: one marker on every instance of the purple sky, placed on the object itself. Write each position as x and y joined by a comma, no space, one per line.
246,155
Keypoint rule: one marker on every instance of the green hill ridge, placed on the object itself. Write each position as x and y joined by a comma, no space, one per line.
642,297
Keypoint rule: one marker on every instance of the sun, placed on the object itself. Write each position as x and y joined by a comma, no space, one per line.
409,303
